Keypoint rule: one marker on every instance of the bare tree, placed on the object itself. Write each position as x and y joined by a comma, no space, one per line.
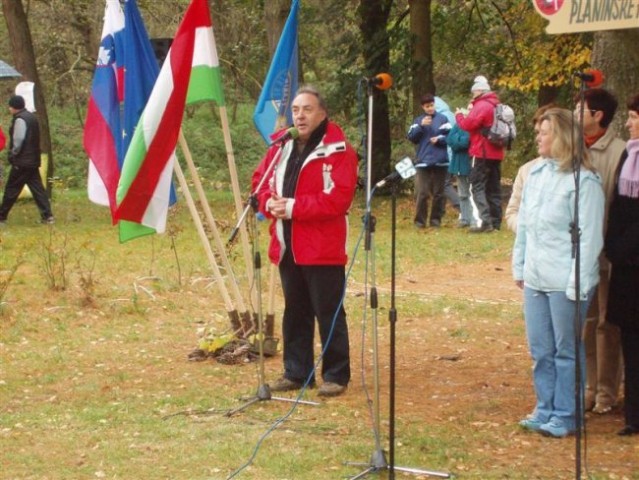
421,52
616,54
275,14
373,16
25,61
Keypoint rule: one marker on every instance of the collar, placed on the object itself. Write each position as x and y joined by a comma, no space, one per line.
592,139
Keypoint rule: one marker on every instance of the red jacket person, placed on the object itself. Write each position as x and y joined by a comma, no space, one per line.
307,194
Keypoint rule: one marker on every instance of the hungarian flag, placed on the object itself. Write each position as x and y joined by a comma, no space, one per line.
102,129
189,74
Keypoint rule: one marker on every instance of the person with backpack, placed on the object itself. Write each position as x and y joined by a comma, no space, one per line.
486,157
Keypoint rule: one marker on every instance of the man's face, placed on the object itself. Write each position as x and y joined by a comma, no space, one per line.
429,108
591,118
307,115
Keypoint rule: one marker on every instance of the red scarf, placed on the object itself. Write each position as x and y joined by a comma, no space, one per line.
592,139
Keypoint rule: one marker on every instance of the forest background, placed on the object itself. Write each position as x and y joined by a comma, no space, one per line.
94,335
427,46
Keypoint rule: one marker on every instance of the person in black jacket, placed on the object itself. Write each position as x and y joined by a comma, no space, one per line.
24,158
622,249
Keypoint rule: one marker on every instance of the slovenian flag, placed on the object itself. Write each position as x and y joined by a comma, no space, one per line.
190,74
273,108
102,129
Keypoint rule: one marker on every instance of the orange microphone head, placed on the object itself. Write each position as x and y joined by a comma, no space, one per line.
383,81
595,78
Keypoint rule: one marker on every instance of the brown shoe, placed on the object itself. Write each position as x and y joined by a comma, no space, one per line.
601,409
330,389
284,384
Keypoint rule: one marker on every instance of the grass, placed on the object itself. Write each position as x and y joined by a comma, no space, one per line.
103,388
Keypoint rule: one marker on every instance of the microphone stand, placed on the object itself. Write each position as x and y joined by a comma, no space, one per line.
575,234
263,389
378,459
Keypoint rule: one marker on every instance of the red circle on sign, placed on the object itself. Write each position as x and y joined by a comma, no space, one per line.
549,7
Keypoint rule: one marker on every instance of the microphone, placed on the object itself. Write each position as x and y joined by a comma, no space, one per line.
289,134
592,78
403,169
382,81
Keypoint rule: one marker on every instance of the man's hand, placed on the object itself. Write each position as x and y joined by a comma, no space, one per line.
277,206
520,284
427,120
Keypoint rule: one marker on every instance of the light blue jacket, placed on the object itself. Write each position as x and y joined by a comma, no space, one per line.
542,254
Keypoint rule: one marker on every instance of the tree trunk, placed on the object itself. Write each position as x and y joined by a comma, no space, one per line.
547,95
25,61
615,53
373,16
275,15
422,54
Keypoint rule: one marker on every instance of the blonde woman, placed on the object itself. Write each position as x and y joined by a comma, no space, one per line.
544,266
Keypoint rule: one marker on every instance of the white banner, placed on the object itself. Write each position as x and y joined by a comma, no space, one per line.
570,16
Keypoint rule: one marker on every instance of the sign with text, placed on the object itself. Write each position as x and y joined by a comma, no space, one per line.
570,16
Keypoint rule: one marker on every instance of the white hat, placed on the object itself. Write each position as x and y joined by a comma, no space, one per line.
481,84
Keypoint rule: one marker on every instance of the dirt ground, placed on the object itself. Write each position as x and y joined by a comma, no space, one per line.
462,367
472,377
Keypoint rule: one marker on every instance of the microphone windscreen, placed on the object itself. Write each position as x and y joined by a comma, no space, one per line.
293,132
597,78
385,81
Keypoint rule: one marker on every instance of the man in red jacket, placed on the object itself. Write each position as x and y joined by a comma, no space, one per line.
485,175
307,194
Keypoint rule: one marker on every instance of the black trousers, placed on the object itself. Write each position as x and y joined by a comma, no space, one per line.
311,292
485,190
430,182
18,178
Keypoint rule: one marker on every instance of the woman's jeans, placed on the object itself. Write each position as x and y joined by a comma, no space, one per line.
550,329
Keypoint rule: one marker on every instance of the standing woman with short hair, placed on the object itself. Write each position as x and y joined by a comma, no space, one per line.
544,267
622,249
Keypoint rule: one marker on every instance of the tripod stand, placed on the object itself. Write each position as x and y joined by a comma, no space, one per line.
576,248
263,390
378,459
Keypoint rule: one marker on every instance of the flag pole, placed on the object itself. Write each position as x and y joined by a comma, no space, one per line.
233,315
245,315
237,197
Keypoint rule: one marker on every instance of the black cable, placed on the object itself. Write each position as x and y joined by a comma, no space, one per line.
311,375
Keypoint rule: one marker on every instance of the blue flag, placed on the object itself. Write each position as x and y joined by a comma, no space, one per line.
141,71
273,109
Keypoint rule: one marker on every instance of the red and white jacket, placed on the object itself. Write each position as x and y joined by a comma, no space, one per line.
480,117
323,196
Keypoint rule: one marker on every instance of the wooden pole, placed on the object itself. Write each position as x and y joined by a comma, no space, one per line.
203,238
211,222
236,193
